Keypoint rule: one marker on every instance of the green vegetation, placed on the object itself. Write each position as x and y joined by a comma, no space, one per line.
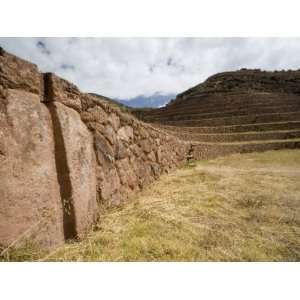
236,208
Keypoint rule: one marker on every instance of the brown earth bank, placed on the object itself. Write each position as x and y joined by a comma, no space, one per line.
67,156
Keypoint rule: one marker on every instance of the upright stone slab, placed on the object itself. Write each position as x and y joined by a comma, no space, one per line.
30,205
78,151
47,160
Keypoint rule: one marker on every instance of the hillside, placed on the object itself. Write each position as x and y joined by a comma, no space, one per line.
242,111
237,208
246,80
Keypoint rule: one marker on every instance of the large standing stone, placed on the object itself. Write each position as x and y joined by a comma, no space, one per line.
30,204
47,171
80,160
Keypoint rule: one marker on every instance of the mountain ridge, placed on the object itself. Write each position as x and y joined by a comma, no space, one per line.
140,101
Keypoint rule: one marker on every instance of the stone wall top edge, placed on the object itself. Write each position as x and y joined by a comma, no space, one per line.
17,73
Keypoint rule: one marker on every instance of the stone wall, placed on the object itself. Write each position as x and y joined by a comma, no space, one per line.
130,154
63,154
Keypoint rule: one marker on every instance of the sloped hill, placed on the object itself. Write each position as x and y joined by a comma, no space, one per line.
242,111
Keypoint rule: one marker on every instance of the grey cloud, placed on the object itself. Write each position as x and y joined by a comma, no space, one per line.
43,48
127,67
67,67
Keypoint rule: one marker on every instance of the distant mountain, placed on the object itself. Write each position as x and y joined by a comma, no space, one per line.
156,100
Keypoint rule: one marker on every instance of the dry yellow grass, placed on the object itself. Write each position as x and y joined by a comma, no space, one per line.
237,208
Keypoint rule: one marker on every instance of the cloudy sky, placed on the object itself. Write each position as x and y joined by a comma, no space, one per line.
128,67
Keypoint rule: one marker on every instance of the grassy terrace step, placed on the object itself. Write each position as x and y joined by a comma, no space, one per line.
295,140
227,94
217,107
240,137
242,101
234,128
184,115
238,120
213,150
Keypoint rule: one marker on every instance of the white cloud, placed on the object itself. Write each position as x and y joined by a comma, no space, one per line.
127,67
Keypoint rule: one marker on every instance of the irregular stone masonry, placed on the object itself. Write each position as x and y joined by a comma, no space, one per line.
63,154
130,154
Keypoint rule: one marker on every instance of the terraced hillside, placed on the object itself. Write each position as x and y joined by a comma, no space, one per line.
242,111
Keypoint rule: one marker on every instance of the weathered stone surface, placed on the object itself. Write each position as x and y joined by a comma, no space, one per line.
104,152
88,101
60,90
137,151
94,114
127,176
159,154
146,145
95,126
110,186
152,156
125,133
110,134
156,169
114,120
16,73
80,160
29,190
143,133
121,150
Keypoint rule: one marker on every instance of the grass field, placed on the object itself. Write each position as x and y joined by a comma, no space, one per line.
237,208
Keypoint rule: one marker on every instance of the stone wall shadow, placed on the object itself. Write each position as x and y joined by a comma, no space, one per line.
62,168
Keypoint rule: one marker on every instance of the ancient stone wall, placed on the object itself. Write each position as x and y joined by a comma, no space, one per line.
130,154
63,153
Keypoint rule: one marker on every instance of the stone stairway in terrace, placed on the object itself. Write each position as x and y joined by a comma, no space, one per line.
241,111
